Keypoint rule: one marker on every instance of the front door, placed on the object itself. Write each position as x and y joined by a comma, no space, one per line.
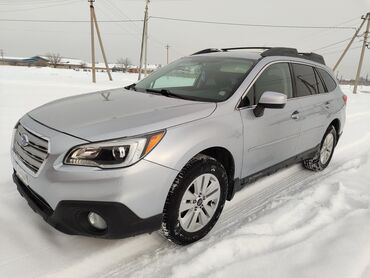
272,138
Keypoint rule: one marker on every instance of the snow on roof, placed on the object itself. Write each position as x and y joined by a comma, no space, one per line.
100,65
153,67
24,59
72,61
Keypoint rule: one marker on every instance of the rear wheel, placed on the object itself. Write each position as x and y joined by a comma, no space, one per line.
322,158
195,200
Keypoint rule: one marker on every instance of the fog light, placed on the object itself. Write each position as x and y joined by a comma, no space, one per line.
96,221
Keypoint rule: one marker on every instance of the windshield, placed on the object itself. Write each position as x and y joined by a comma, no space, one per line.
201,78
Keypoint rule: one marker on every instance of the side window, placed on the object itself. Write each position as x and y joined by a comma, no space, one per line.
275,78
328,80
319,83
305,80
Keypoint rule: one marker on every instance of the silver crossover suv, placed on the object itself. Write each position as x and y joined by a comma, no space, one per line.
167,152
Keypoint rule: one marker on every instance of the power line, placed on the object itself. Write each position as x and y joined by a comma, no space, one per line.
116,10
152,38
320,33
60,31
189,20
28,3
109,11
62,3
338,51
128,20
252,25
66,21
333,44
119,11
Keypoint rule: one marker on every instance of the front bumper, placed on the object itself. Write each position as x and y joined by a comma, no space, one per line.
70,217
142,187
130,199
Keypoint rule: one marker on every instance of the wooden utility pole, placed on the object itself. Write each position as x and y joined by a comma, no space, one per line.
93,23
142,50
364,46
144,42
146,46
349,44
168,54
92,41
102,47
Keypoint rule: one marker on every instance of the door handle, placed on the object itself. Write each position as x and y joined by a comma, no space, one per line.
295,115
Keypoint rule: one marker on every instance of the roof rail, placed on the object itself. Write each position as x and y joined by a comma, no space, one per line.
248,47
271,51
280,51
313,57
212,50
292,52
208,50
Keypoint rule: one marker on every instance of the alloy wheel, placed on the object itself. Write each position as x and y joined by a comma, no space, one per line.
326,148
199,202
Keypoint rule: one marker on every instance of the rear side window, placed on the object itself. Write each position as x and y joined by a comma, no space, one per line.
275,78
328,80
305,80
320,85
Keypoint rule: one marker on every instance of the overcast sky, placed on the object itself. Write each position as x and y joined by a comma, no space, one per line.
123,39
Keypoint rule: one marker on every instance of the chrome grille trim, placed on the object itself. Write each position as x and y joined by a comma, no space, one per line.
33,154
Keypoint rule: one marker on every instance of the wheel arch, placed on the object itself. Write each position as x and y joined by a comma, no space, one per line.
226,158
336,124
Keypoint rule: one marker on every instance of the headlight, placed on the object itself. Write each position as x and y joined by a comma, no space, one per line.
113,154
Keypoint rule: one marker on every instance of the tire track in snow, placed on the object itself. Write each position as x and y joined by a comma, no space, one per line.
233,219
246,207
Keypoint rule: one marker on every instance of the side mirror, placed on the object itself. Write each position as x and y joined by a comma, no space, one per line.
272,100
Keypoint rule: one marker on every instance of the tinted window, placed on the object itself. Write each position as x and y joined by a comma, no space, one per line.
305,80
328,80
203,78
275,78
179,77
319,83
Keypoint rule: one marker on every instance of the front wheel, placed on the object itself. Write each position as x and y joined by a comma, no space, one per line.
195,200
323,157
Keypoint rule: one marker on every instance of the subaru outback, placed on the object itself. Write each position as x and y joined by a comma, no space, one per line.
166,153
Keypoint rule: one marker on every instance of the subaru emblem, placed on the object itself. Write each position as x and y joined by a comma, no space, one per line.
25,141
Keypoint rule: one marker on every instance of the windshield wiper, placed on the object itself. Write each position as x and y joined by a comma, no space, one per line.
166,93
131,87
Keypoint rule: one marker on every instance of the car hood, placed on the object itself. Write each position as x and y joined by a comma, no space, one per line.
118,113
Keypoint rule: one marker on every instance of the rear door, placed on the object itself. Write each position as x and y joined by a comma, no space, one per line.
315,105
331,99
272,138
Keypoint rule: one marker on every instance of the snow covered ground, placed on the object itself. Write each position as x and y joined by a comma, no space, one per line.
295,223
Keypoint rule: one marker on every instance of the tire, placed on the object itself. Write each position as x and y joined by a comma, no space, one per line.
323,157
188,214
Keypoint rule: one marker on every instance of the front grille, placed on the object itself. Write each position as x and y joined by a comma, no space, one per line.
30,148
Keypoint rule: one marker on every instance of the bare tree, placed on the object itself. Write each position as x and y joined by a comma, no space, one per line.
54,59
123,64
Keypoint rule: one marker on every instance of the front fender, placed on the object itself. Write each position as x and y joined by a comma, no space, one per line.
183,142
